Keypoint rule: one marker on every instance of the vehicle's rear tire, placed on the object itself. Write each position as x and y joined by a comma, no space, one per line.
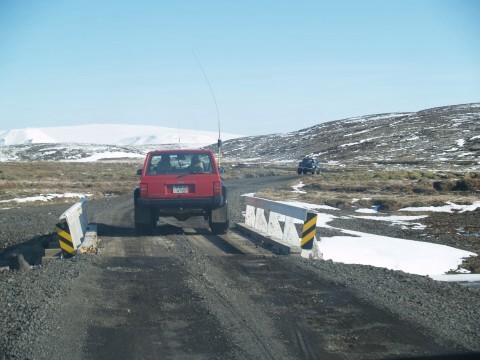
299,171
219,220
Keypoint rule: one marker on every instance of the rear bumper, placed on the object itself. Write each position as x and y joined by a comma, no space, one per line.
197,203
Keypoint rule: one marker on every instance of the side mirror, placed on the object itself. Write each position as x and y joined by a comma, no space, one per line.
139,172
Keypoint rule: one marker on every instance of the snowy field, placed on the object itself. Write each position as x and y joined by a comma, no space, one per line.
410,256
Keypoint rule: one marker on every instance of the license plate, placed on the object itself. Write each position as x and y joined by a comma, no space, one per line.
180,189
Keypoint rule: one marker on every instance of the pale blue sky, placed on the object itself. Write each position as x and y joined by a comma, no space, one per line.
274,66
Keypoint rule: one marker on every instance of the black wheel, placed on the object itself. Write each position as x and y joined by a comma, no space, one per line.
299,171
218,219
304,172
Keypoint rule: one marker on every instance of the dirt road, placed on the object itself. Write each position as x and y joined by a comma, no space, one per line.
183,293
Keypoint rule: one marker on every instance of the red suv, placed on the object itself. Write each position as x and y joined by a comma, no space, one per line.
180,183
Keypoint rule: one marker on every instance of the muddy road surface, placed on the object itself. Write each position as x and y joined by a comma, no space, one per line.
186,294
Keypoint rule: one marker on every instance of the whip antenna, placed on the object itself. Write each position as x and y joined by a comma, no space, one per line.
219,143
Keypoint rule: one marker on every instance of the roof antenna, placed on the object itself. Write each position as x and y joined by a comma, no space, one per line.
219,142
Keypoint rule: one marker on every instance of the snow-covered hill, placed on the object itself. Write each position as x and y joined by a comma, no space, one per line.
110,134
24,136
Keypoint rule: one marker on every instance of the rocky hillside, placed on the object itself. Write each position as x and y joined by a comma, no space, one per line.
440,137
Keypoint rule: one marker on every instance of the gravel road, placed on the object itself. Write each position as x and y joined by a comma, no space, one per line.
29,299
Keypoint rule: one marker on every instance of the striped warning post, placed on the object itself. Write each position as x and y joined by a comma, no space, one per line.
65,237
308,231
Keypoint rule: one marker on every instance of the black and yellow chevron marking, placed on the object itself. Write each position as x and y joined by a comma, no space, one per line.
65,238
308,231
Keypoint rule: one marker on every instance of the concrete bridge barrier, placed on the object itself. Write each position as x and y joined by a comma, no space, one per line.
74,234
290,229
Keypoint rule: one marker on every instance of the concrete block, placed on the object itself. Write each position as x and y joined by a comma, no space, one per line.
277,245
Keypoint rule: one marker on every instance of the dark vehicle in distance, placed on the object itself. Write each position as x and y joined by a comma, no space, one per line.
308,165
180,184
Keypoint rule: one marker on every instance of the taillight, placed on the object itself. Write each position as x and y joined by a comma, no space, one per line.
143,189
217,188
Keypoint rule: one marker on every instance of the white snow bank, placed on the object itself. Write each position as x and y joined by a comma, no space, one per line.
47,197
415,257
109,155
404,221
449,208
410,256
296,188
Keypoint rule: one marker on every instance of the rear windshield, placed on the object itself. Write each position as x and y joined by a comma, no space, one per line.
180,163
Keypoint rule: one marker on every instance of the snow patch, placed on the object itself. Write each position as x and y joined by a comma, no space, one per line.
449,208
45,198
